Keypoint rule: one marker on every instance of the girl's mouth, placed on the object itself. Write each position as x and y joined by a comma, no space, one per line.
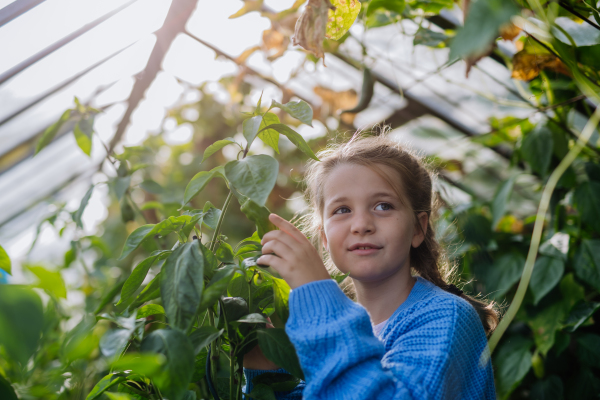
364,249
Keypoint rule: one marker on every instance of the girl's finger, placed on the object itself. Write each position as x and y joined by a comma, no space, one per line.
271,261
280,249
288,227
281,236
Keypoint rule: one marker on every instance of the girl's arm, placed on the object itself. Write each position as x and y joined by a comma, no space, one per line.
437,351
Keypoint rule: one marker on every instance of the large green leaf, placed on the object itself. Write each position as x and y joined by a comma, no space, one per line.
216,287
557,246
6,390
262,392
150,309
82,206
181,284
21,321
147,364
51,131
587,262
225,253
204,336
276,346
138,275
199,182
135,239
150,292
216,146
587,197
177,372
281,294
114,342
5,263
505,272
297,109
294,137
501,199
582,34
545,323
254,176
580,314
342,18
481,27
238,286
211,218
512,361
537,149
51,281
546,274
269,137
259,215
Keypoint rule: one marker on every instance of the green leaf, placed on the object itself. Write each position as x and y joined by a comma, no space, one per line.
281,294
51,282
177,372
210,261
339,278
588,350
151,186
481,27
238,287
254,318
127,213
234,308
204,336
254,176
512,361
340,20
224,253
297,109
536,149
83,134
199,182
587,262
150,292
212,216
582,34
216,146
251,127
580,314
144,364
505,272
501,199
571,291
138,275
269,137
216,287
545,323
5,263
118,396
276,346
114,342
82,206
6,390
587,197
294,137
51,131
135,239
109,296
557,246
21,322
121,185
546,274
259,215
396,6
427,37
150,309
585,385
262,392
550,388
181,284
105,383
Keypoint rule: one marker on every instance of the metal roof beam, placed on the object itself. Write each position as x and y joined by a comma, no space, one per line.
57,45
15,9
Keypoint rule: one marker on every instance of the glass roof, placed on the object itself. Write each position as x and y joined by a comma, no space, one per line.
100,67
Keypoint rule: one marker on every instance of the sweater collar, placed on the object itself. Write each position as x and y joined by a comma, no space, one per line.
419,291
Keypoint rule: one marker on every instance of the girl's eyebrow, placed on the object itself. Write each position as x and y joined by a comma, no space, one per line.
343,199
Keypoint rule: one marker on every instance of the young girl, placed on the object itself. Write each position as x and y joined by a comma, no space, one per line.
409,336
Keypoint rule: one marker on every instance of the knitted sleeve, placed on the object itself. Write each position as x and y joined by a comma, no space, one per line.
436,350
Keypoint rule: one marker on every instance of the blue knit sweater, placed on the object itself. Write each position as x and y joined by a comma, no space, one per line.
433,347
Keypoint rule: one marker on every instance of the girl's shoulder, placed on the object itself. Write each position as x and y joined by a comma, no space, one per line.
428,306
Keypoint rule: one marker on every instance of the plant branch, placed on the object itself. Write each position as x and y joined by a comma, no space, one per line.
539,226
220,222
577,14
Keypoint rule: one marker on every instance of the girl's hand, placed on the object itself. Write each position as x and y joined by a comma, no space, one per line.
295,258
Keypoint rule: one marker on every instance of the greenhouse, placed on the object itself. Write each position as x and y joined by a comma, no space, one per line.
144,143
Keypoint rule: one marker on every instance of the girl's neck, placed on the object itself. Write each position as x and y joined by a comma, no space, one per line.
383,297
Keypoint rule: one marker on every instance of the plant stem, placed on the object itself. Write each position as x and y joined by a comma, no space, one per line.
232,387
539,226
220,222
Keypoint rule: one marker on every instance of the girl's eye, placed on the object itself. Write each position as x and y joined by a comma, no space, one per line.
383,207
342,210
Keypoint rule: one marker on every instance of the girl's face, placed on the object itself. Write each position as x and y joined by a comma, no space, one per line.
367,230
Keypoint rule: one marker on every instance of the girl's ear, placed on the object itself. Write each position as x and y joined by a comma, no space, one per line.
324,238
420,229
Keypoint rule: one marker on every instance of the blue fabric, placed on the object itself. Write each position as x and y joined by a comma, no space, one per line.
433,347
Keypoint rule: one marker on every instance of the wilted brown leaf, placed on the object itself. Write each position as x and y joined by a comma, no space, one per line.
527,66
311,26
509,31
334,102
274,43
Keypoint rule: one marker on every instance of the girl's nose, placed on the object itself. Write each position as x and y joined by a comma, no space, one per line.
363,224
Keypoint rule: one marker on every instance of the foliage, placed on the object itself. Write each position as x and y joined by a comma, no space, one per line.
149,334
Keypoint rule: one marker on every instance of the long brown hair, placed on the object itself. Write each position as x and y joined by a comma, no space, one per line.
428,260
